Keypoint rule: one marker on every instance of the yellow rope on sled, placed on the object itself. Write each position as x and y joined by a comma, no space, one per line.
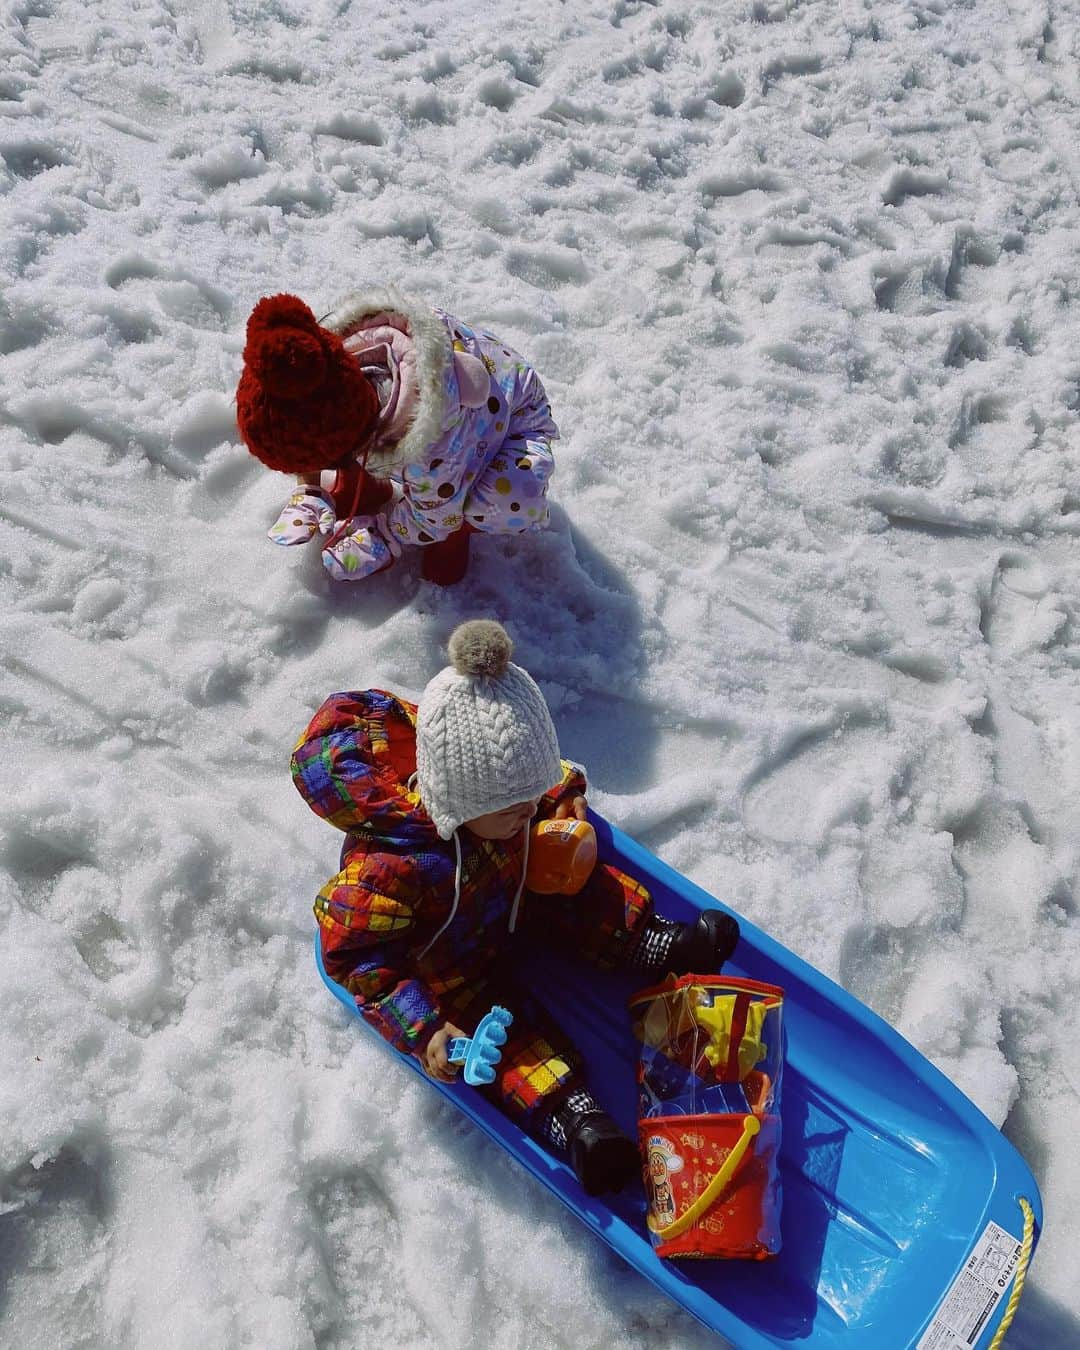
751,1125
1021,1273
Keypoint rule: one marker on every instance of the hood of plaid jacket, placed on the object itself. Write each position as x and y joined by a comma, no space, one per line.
353,766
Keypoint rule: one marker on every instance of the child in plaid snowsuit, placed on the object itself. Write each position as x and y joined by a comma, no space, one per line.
379,913
416,925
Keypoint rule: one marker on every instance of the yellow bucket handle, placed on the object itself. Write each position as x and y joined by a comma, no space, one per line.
714,1189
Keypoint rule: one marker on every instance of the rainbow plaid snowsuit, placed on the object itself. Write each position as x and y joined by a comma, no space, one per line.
395,890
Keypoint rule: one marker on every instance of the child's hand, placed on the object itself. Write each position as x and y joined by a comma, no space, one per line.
434,1057
572,807
305,514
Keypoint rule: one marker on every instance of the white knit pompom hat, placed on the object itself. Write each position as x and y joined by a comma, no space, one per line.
484,736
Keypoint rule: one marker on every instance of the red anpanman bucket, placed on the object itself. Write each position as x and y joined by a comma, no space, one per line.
709,1127
698,1208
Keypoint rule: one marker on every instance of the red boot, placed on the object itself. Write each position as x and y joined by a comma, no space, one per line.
446,562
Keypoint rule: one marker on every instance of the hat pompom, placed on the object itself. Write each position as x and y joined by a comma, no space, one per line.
480,647
291,363
284,347
280,311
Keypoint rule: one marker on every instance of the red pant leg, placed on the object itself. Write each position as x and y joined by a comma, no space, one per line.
538,1062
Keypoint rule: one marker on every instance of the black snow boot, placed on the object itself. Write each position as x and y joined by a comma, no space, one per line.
698,948
602,1157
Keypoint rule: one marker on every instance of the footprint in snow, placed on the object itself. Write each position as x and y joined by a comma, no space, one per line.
823,778
29,156
56,1213
1023,613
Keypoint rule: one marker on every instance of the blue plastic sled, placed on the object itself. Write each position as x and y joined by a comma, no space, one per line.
891,1176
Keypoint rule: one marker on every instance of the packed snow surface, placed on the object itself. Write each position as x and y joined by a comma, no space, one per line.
801,278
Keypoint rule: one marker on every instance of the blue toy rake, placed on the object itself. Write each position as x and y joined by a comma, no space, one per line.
480,1052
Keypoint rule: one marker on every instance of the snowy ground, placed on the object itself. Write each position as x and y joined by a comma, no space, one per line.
802,281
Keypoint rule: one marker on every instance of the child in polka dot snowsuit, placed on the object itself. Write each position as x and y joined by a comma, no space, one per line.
403,425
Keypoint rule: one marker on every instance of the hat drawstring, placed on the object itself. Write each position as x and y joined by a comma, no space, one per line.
457,897
358,487
521,884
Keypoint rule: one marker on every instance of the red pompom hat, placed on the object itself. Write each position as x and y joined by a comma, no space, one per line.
303,404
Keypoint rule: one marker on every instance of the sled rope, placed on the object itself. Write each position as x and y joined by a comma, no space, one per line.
1021,1273
712,1191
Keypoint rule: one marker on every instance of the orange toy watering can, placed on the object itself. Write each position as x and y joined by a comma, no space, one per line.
562,855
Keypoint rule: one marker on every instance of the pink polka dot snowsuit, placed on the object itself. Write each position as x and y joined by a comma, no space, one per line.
467,428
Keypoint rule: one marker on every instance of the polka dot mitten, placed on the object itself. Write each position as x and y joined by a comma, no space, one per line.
307,512
358,548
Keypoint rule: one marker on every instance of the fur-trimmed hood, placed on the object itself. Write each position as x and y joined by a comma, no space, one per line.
437,397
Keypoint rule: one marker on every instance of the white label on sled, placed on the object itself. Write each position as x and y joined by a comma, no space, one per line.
975,1293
